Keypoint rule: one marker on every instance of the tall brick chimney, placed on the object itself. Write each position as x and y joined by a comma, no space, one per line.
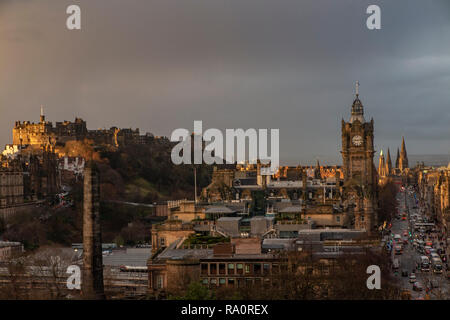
92,281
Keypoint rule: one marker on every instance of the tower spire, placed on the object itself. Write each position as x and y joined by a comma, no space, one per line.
398,159
388,169
381,165
403,152
403,162
357,107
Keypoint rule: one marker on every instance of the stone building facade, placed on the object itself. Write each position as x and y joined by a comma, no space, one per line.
434,191
11,183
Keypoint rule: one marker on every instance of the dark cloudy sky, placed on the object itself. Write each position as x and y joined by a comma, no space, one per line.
288,64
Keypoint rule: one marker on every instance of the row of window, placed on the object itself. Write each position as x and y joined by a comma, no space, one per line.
239,268
234,282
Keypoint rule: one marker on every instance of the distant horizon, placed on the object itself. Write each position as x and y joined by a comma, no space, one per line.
430,159
335,160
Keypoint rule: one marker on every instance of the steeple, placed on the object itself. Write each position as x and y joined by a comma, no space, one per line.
388,163
398,159
381,165
357,107
403,162
403,152
317,174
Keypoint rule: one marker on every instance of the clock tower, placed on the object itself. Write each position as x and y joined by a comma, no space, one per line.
360,181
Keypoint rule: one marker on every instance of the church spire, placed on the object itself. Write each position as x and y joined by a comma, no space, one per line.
403,152
388,163
317,174
381,165
403,162
398,159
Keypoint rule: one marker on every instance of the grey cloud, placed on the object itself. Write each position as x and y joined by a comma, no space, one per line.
161,64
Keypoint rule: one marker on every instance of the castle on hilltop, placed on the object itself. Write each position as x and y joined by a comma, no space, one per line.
44,132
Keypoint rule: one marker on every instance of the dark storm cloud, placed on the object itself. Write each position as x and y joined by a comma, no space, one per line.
160,65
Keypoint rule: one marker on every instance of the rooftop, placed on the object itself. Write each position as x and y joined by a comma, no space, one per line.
131,257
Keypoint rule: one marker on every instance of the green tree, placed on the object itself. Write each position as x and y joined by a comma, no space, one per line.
196,291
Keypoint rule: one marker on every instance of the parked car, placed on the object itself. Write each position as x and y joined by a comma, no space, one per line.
412,278
433,284
417,286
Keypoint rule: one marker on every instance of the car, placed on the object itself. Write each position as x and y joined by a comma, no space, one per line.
435,255
433,284
404,273
412,278
417,286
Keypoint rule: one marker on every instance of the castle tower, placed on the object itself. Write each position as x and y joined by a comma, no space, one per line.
381,165
388,169
42,117
92,281
360,178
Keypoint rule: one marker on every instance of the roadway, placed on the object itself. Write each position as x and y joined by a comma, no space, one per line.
408,259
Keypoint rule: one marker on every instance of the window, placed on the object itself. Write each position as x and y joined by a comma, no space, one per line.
222,281
213,268
231,268
221,268
275,268
162,242
205,281
214,281
159,282
247,268
240,268
266,268
338,218
362,218
231,282
204,268
257,268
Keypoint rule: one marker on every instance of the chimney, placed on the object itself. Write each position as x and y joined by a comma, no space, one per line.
92,281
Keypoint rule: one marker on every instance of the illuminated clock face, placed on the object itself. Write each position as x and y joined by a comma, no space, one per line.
357,140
